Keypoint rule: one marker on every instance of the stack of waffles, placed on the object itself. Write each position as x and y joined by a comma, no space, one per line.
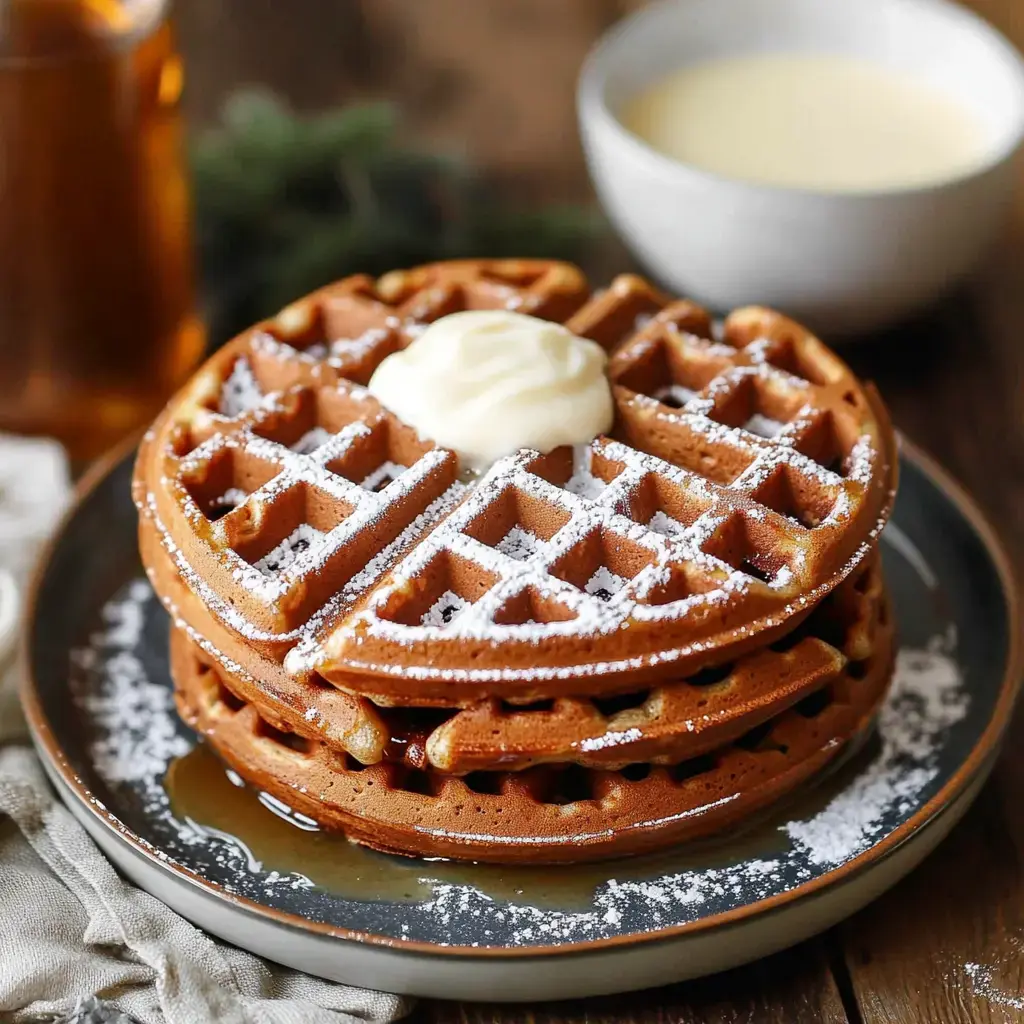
578,654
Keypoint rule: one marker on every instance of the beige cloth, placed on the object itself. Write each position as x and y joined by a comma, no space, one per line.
70,927
12,724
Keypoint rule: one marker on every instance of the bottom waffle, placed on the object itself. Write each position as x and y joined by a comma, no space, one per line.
547,813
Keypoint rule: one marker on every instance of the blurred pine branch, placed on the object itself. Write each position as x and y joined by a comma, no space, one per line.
285,204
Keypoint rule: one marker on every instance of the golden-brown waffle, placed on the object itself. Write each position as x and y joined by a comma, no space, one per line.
548,813
679,719
316,527
666,723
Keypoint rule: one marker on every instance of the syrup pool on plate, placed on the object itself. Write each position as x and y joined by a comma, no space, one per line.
213,801
820,122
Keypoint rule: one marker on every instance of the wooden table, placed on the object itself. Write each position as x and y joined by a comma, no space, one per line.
947,944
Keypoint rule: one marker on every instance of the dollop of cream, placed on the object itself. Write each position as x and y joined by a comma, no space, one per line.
486,383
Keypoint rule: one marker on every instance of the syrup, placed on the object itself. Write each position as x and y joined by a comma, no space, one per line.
98,319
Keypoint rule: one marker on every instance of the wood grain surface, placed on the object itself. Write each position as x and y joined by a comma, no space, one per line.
795,987
495,78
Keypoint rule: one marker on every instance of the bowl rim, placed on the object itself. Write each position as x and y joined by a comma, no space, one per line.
593,109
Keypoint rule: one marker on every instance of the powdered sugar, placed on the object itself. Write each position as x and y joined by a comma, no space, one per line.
926,699
519,544
999,982
343,350
302,539
598,497
605,584
231,498
382,476
664,524
611,739
338,352
138,738
583,482
136,734
444,609
359,507
604,481
241,392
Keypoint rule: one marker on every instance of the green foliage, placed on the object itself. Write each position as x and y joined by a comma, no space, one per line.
286,204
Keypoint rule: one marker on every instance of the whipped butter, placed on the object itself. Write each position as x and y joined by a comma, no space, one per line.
486,383
823,122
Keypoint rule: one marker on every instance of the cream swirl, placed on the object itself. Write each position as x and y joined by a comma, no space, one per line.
486,383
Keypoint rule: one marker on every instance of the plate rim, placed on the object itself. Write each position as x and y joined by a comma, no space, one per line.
986,746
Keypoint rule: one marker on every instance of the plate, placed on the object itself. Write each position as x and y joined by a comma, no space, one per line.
243,867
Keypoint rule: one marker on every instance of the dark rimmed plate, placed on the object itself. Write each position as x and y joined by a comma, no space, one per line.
229,862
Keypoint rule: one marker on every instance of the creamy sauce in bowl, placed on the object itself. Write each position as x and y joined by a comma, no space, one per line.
820,122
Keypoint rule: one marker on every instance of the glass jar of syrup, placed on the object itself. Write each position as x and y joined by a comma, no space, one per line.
98,322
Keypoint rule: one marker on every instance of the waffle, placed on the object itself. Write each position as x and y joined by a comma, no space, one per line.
547,813
746,477
663,724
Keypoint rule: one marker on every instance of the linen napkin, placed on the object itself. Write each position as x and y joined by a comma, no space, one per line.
78,943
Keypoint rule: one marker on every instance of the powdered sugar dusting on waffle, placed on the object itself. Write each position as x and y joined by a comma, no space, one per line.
605,584
763,426
592,612
304,636
519,543
337,352
382,476
232,497
302,539
583,482
665,525
343,349
597,509
861,462
444,609
241,392
611,739
297,467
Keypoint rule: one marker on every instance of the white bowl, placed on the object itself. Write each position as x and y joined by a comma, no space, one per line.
843,262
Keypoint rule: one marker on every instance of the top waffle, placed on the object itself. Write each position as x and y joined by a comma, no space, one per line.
747,473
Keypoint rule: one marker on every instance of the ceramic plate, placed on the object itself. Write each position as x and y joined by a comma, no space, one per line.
243,867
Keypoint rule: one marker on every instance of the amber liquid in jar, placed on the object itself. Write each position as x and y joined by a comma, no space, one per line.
98,323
